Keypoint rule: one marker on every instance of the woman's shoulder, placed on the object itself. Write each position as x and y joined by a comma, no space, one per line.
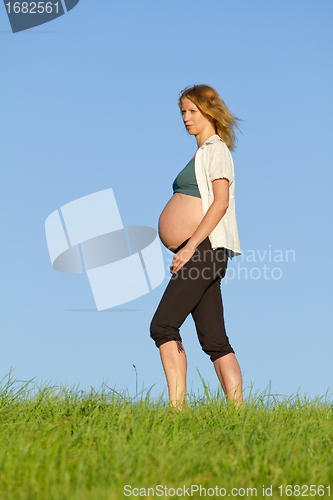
214,139
217,159
216,148
215,143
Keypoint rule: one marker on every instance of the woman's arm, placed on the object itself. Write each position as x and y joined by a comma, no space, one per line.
206,226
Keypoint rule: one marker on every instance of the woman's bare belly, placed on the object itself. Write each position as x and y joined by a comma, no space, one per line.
179,219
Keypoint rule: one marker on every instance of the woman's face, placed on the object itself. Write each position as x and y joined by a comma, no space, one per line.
195,122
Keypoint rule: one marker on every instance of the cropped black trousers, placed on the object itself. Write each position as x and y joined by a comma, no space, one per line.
195,289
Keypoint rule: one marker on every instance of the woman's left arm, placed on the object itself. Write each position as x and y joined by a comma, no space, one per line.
206,226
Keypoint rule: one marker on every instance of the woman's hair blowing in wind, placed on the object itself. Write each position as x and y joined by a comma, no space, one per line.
208,101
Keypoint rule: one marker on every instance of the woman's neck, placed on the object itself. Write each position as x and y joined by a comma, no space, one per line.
204,135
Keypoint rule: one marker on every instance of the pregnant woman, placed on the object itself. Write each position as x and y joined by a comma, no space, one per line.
199,226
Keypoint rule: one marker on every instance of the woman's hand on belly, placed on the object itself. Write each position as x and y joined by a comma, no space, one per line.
181,257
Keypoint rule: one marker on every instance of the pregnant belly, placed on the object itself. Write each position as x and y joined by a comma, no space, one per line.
180,218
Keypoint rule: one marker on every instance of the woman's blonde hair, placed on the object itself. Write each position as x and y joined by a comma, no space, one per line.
208,101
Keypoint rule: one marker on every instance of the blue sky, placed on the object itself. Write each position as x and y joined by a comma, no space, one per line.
89,102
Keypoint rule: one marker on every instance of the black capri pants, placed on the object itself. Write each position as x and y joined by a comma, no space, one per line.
195,289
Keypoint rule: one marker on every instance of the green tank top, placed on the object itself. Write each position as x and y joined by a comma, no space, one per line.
186,182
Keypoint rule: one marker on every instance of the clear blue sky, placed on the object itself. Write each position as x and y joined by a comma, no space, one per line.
89,102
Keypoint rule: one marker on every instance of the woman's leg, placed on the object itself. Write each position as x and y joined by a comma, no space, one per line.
180,297
230,376
175,365
209,321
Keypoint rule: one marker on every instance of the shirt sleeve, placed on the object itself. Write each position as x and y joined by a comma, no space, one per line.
220,163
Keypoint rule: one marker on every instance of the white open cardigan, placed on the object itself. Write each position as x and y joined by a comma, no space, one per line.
214,161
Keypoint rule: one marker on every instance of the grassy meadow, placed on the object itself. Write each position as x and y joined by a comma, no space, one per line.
62,443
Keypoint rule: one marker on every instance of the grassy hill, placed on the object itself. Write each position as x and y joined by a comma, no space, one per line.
64,444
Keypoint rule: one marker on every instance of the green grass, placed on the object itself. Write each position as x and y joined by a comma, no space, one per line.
60,443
